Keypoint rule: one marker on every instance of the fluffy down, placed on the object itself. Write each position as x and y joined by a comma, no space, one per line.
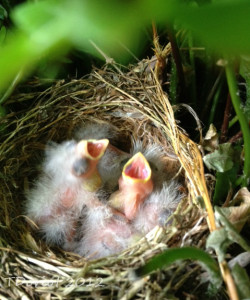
104,232
157,208
58,197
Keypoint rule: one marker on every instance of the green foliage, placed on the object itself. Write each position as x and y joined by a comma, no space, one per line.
52,27
175,254
3,17
232,84
242,281
222,25
226,162
220,239
245,73
221,160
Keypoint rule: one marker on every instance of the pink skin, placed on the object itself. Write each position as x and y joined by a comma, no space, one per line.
135,185
111,235
158,207
58,198
92,152
108,236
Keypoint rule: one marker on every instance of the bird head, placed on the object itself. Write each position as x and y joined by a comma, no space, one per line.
135,185
88,154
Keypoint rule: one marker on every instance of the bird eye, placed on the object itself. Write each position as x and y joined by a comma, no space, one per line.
80,166
153,167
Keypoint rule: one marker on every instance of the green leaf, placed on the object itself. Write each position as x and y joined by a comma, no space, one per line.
2,35
2,111
220,160
244,124
220,239
242,281
174,254
222,25
3,13
227,180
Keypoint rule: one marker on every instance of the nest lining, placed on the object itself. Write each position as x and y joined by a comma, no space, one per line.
136,105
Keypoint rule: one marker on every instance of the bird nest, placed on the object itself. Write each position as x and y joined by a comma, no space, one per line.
134,102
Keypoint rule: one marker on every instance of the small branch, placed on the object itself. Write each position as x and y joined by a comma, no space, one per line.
236,137
109,60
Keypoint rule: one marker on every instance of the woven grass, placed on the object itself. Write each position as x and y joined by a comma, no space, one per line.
134,102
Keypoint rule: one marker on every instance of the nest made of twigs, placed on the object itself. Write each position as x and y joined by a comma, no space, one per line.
135,103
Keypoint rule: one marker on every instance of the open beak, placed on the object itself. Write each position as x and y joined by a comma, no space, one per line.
89,153
135,185
137,170
92,149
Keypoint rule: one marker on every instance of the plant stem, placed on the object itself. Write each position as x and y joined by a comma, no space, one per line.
232,85
178,63
224,127
11,87
214,105
233,121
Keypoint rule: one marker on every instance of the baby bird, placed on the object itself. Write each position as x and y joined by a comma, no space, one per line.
135,185
106,229
104,232
111,163
130,213
154,154
68,184
157,208
163,200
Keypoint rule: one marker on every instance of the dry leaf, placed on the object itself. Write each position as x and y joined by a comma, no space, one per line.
211,140
239,215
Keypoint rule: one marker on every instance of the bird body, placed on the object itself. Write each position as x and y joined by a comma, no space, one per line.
157,208
67,185
95,199
111,163
154,154
104,232
135,185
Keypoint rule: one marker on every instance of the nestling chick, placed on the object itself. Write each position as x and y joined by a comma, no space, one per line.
68,184
111,163
135,185
104,232
157,208
155,157
106,229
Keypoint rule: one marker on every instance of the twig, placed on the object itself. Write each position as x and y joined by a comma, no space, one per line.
236,137
109,60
